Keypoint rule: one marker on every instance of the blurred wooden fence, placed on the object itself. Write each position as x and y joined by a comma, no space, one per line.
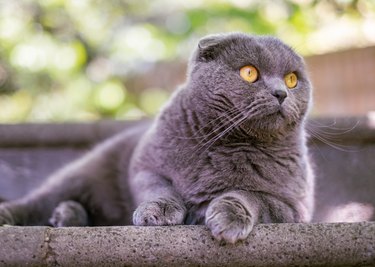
344,82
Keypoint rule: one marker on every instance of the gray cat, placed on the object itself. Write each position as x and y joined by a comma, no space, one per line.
228,150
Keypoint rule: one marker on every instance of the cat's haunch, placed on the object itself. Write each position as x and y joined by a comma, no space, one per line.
228,150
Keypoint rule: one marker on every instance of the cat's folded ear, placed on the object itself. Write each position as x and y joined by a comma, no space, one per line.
210,46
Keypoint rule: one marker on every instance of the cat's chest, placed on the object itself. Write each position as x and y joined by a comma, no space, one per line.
238,168
224,169
251,161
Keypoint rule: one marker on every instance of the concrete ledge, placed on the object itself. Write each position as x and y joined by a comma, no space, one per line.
340,244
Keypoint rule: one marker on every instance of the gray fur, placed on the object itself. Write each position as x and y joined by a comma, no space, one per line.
223,151
69,213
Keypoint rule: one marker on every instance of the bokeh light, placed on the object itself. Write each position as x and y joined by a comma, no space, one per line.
80,60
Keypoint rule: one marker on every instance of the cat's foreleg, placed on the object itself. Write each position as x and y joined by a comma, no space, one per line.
158,202
232,216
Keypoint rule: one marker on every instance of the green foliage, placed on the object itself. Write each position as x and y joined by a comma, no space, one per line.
69,60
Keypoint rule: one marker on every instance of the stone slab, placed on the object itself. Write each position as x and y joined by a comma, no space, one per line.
339,244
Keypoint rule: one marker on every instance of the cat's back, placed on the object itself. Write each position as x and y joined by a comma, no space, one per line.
124,143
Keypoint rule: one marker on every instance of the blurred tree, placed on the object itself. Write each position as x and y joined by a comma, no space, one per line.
70,60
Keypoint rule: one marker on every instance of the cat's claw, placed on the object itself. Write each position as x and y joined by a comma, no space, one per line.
69,213
228,220
158,213
6,217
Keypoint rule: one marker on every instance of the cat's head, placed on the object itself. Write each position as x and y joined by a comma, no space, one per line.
257,82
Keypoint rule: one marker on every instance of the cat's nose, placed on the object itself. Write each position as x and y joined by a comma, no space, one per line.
280,95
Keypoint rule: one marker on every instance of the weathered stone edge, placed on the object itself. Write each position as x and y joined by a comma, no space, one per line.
336,244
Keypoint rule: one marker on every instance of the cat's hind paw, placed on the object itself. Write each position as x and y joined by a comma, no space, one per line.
228,220
159,212
6,217
69,213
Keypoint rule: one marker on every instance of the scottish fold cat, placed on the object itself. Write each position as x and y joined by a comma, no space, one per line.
228,151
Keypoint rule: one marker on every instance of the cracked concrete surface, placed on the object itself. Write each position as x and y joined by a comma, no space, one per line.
339,244
49,256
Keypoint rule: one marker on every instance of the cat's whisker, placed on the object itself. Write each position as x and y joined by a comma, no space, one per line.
329,129
220,128
218,137
216,120
206,145
222,119
319,124
223,125
256,109
222,134
250,112
331,142
331,135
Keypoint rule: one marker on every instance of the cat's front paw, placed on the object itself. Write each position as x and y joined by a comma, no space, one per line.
69,213
228,220
159,212
6,216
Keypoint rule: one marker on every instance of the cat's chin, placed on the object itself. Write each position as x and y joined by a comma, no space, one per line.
270,123
274,121
280,117
273,114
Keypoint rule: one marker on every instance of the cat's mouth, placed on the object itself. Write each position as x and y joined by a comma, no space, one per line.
273,110
271,117
277,115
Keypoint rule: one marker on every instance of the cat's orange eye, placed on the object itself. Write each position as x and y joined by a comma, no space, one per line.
291,80
249,73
